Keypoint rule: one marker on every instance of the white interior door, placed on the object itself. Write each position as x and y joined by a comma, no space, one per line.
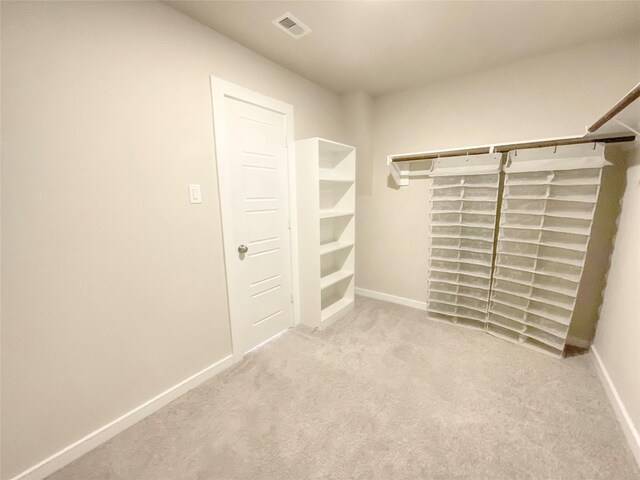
253,174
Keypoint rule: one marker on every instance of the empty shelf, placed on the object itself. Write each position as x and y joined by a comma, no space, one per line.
462,260
575,230
550,288
336,179
335,213
551,340
334,278
514,325
575,198
479,306
521,339
570,262
334,247
484,298
334,308
461,272
473,212
455,248
538,298
484,226
575,278
566,246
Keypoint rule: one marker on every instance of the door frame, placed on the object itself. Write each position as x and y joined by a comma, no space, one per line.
221,90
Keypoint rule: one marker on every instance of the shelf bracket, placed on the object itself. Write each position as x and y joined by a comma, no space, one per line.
399,172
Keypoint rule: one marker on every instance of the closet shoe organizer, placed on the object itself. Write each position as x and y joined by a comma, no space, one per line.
521,284
545,223
463,200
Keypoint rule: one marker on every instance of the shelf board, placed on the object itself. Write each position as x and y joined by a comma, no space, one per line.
539,213
436,290
460,321
537,298
335,308
564,246
334,278
458,272
525,340
561,183
335,179
577,198
464,225
456,248
456,305
334,247
331,147
574,278
469,212
584,231
563,291
570,262
462,260
335,214
556,343
526,310
458,282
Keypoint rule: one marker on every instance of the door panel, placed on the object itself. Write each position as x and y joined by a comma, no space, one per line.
261,293
260,183
262,225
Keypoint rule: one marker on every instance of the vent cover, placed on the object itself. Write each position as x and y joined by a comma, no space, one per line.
291,25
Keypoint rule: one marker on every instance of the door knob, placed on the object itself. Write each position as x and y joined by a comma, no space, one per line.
243,249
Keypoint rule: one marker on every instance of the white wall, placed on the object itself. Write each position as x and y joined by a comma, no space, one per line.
617,341
358,118
549,96
358,111
113,286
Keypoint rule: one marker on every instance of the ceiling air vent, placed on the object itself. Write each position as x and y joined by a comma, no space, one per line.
291,25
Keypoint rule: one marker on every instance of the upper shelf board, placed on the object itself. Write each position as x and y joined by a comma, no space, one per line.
329,147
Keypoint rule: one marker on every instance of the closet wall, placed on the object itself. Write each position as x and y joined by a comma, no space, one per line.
113,286
618,335
547,96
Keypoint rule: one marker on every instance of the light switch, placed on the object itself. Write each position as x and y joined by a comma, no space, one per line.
194,193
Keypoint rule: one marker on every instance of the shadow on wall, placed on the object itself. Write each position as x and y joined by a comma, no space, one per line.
391,183
605,226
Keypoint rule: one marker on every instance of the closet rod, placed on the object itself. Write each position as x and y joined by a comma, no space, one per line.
617,108
513,146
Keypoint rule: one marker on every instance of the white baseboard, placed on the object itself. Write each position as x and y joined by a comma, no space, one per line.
629,429
407,302
89,442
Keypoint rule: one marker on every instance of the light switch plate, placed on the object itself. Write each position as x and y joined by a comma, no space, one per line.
194,193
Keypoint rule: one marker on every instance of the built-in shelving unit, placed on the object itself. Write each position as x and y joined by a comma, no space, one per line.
326,229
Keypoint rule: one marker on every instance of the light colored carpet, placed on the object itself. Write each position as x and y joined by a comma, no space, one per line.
382,394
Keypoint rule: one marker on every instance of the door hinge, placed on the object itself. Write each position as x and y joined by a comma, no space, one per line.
292,298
